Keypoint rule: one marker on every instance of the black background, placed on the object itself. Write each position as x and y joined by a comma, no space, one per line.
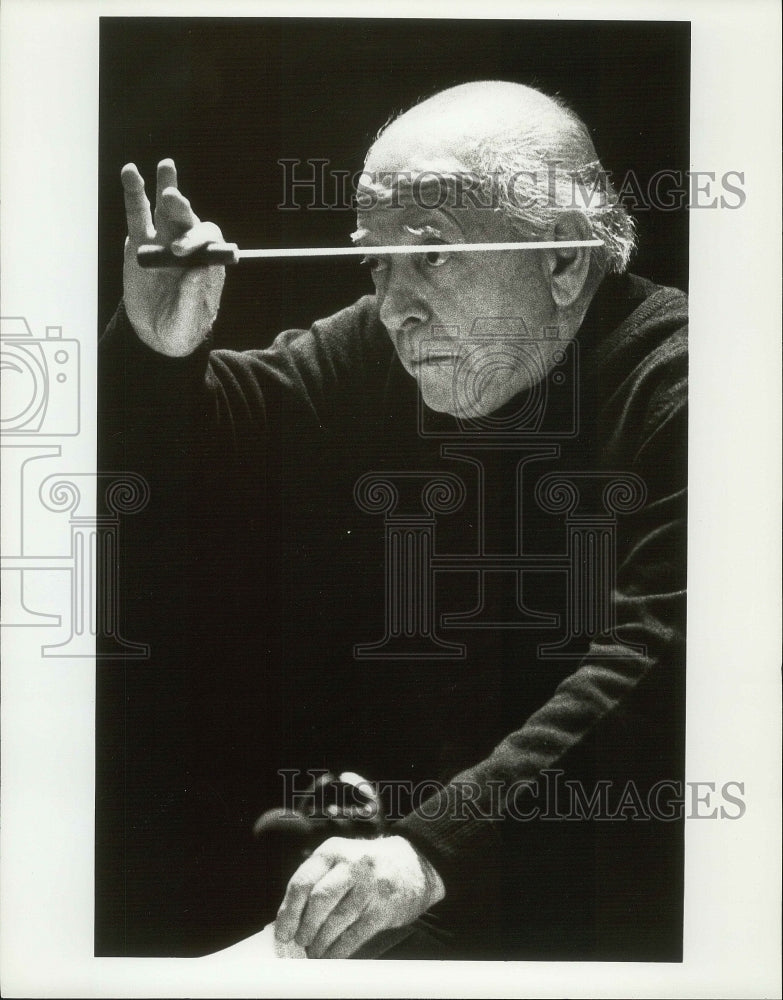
180,737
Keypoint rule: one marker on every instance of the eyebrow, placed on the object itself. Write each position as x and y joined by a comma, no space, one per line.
361,235
424,231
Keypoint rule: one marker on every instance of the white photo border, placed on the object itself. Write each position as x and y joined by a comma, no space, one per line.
49,187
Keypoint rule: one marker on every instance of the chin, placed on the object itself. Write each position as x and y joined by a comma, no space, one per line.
446,401
438,405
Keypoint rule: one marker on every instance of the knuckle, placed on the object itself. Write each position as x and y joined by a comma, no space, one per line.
349,906
353,939
296,889
291,893
384,886
332,848
305,932
320,895
362,879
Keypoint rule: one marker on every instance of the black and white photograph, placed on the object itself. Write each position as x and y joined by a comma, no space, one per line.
407,622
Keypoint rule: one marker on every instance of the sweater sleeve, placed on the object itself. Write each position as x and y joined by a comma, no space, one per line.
625,683
223,406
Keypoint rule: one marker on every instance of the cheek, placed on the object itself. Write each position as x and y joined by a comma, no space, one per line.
508,285
465,299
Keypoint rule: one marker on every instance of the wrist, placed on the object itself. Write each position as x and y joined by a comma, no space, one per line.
434,889
435,886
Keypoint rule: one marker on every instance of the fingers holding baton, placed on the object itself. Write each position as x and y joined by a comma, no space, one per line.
152,256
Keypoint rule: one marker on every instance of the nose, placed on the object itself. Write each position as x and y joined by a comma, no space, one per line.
402,307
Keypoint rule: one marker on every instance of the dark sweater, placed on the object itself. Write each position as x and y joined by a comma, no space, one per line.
278,437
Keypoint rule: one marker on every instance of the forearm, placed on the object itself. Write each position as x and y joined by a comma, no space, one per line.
149,404
615,718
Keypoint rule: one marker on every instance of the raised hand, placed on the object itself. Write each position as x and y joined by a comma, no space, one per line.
171,309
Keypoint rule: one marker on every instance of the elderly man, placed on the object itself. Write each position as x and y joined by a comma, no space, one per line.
510,165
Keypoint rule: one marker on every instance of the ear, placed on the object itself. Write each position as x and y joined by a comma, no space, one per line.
569,266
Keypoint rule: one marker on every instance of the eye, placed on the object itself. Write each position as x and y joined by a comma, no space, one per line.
435,258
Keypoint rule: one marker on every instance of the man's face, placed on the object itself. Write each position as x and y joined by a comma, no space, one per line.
430,304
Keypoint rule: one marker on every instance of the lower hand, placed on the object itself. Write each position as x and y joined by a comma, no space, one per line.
349,890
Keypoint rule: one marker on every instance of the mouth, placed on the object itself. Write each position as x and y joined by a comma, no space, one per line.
431,360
